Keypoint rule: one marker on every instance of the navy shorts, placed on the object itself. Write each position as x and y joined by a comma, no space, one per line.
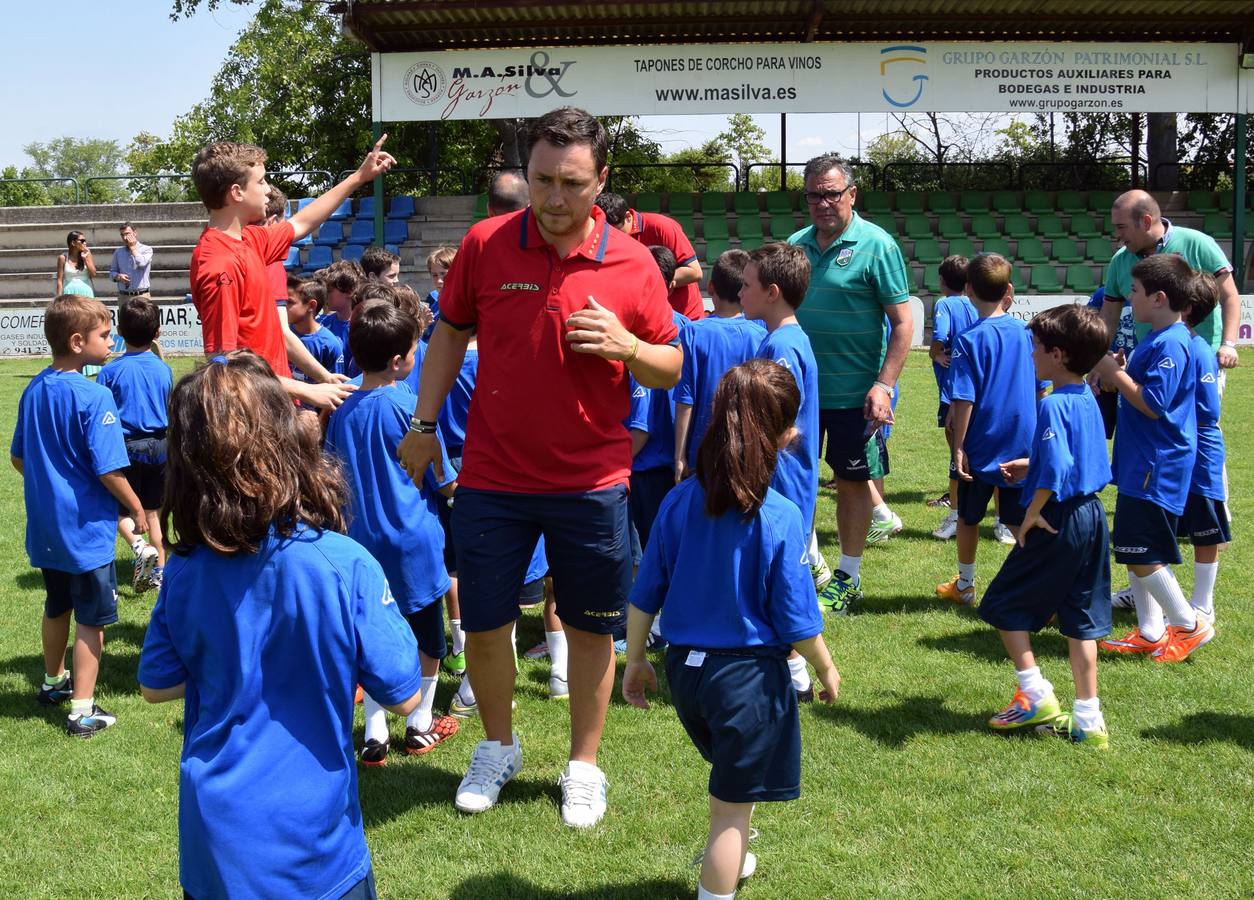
428,627
973,497
648,489
146,472
856,450
362,890
1144,533
1205,522
942,413
532,593
91,595
444,512
1065,574
740,710
1108,404
586,539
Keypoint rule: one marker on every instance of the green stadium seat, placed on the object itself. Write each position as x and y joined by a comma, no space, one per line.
917,226
1101,201
715,249
1098,250
680,204
1218,225
1007,202
997,245
1203,202
779,202
1017,279
875,203
1080,278
927,250
1226,201
1065,250
1045,280
1050,226
949,225
714,227
1031,250
481,207
1037,202
749,227
984,226
688,224
714,203
1070,202
782,225
974,201
649,201
1016,225
930,281
1085,226
960,247
911,202
745,203
941,202
887,221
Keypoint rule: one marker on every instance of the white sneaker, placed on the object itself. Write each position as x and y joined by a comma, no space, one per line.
583,794
491,766
948,527
1002,534
1122,599
558,688
750,865
142,568
1207,617
822,574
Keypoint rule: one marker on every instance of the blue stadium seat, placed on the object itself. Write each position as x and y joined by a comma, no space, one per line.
305,241
343,211
293,259
395,231
319,258
330,234
353,252
303,202
365,207
402,208
392,248
362,231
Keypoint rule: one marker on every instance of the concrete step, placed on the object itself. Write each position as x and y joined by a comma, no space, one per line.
32,236
41,259
71,216
28,285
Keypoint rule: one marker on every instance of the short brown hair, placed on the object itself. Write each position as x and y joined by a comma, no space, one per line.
988,275
379,331
1077,331
568,125
406,298
1205,299
277,204
314,292
953,273
1169,273
240,462
441,256
376,260
785,265
72,314
729,275
221,165
343,275
139,320
373,290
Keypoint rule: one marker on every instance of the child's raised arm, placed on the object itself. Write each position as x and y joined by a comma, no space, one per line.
1108,370
376,163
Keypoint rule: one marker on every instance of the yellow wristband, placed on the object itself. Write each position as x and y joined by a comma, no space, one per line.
635,349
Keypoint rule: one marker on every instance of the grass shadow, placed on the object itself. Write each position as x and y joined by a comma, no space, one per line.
893,726
986,644
1204,727
29,579
896,604
389,792
508,885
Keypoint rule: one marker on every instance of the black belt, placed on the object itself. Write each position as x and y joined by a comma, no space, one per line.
133,293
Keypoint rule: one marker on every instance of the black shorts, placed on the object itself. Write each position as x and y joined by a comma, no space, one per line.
942,413
1065,574
1205,522
1108,403
91,595
1144,533
428,627
648,489
587,542
973,497
856,450
532,593
146,473
741,713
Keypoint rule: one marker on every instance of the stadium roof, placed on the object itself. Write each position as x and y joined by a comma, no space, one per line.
400,25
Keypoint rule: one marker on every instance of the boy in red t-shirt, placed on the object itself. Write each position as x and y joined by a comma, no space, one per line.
228,271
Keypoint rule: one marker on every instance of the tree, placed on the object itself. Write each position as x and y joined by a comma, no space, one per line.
746,140
22,194
67,157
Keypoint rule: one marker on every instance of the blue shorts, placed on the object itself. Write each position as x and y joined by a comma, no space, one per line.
428,627
91,595
1065,574
587,542
856,450
1144,533
741,713
1205,522
973,497
648,489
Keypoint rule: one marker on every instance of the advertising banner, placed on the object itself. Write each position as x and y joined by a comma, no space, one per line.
22,331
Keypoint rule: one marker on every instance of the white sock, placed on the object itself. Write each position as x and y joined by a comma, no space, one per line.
1163,587
800,676
465,693
966,574
376,720
703,894
420,718
1204,575
851,565
557,653
881,513
1149,615
81,707
1033,683
656,628
812,551
1088,714
459,636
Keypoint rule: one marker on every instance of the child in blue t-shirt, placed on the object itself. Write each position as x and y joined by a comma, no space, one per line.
390,514
993,393
1154,455
267,623
305,299
438,263
68,447
726,567
341,280
1060,566
952,315
140,382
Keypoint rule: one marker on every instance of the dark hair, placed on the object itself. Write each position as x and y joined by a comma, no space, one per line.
1169,273
126,225
69,245
221,165
507,192
240,462
343,275
377,260
666,263
1078,331
71,314
614,206
405,298
379,331
313,292
276,205
1205,299
139,320
953,273
755,403
988,275
728,276
785,265
372,290
824,163
568,125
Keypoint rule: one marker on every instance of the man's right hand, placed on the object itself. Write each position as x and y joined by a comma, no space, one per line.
416,452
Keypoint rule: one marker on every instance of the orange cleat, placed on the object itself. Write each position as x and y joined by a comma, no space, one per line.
1183,641
359,695
1133,642
950,591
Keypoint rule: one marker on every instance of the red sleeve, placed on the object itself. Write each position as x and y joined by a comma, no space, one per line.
218,296
276,279
457,298
271,242
653,322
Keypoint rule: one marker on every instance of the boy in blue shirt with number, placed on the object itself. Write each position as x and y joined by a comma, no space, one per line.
69,448
1061,563
953,315
267,623
993,392
390,514
1154,454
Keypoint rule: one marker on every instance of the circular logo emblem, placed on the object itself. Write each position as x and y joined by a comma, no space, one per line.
424,83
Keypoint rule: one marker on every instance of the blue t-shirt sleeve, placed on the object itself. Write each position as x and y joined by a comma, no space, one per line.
791,604
961,372
685,390
1162,378
105,441
638,418
159,663
1208,401
1054,455
387,654
653,578
15,446
942,324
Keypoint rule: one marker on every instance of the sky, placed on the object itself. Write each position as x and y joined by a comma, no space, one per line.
139,71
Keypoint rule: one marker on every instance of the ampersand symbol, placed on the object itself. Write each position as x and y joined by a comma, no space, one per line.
540,66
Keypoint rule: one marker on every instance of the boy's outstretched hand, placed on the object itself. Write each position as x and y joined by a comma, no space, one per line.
377,161
637,678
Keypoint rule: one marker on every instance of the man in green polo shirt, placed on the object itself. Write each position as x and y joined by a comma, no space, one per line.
858,277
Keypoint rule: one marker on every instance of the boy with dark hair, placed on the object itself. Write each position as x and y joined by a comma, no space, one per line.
341,280
304,301
1060,566
993,394
952,315
1154,454
381,264
68,446
140,383
390,515
665,260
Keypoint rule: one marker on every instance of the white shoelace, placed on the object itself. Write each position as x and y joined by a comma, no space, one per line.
580,791
486,768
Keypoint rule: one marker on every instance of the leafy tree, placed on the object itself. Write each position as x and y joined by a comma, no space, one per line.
746,141
67,157
22,194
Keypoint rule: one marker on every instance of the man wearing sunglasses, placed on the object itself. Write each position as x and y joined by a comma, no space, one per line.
858,282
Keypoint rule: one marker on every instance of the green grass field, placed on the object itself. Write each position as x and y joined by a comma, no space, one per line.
905,791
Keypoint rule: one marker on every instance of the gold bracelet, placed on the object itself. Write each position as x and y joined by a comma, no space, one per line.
635,349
